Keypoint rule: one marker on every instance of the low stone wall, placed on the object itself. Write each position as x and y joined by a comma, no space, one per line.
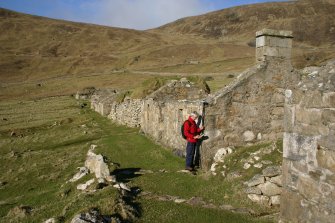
309,149
127,113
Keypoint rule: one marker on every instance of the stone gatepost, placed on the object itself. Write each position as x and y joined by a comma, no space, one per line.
273,44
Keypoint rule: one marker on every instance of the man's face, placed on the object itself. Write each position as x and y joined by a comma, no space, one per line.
194,117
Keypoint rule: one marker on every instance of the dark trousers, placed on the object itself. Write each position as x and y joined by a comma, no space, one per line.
197,153
190,149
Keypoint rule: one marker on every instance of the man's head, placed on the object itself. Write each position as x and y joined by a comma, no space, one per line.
194,115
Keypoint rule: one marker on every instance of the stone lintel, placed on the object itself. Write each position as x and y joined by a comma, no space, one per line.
275,33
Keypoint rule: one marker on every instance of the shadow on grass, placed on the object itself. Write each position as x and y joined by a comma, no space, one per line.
126,174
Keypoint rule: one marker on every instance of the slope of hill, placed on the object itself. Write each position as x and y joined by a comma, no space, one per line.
35,49
32,45
313,22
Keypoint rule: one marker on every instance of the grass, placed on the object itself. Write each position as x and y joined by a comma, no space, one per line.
53,136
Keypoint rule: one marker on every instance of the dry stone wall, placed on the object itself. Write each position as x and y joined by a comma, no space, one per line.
127,113
309,148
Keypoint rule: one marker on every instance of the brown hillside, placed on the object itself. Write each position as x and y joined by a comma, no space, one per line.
35,46
35,49
312,21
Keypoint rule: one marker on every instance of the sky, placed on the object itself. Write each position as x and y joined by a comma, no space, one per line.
134,14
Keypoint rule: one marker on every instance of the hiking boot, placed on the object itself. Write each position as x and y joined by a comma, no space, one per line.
189,169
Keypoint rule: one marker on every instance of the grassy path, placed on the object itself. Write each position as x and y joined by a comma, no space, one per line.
50,138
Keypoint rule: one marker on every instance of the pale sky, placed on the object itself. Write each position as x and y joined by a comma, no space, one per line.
134,14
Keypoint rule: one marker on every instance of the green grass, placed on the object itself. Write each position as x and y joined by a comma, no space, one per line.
168,212
53,136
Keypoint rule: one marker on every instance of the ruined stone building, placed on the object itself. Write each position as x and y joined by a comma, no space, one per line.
249,110
309,148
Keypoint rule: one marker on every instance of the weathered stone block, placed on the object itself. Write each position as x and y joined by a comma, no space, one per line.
277,125
261,199
312,99
271,171
328,116
295,146
249,136
328,99
277,180
271,51
328,141
253,190
275,200
279,42
309,116
272,32
284,53
289,118
290,207
256,180
308,188
311,130
269,189
326,159
260,41
279,111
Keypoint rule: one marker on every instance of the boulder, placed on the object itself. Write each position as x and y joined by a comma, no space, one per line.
85,185
256,180
221,153
271,171
82,172
248,136
96,164
93,215
269,189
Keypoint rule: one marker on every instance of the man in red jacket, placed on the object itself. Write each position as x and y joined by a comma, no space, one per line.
192,133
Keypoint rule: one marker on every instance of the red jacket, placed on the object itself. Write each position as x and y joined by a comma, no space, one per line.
191,130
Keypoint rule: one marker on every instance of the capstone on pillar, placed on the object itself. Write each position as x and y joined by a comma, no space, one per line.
273,45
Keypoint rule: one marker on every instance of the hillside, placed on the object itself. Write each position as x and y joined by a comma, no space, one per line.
34,46
69,56
312,22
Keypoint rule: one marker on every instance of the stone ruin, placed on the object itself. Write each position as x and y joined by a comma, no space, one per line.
309,148
250,110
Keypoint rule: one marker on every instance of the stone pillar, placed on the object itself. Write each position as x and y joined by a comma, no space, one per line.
273,44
